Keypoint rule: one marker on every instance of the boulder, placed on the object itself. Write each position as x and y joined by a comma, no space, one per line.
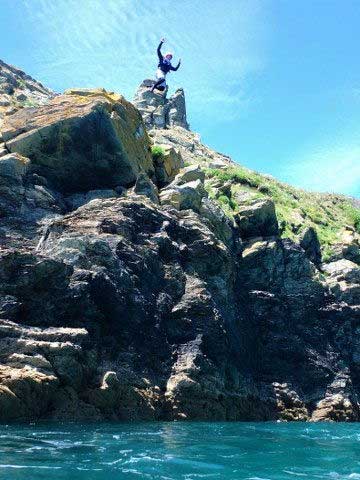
219,222
183,197
343,270
82,140
343,278
257,219
144,186
192,173
13,167
310,243
167,165
340,402
20,195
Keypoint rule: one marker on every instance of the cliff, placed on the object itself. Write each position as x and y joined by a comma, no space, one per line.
145,276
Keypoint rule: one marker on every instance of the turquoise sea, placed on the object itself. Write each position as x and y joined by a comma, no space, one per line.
188,451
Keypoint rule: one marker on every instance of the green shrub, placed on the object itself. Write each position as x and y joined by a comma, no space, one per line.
157,152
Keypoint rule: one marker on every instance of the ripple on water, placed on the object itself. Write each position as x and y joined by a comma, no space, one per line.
181,451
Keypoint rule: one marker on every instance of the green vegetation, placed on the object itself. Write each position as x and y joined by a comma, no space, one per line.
237,175
296,209
157,152
28,103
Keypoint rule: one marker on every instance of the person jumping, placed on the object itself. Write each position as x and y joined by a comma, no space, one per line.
164,67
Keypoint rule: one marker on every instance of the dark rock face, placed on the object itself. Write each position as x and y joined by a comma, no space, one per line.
149,302
310,243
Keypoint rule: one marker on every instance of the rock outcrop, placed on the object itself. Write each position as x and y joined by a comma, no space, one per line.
135,288
18,90
157,110
82,140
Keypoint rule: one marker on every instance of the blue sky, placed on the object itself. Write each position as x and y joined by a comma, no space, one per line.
273,83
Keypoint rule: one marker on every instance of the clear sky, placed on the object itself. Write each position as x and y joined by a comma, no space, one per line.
273,83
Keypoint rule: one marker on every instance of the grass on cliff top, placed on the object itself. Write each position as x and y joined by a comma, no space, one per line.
296,209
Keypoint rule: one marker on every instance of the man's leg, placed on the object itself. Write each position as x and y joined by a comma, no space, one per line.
157,84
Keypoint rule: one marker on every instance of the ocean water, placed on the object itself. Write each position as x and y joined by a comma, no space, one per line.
189,451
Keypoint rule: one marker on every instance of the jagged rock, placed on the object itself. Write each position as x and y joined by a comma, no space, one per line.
25,392
159,111
18,89
218,164
343,278
289,404
36,363
189,144
343,270
21,97
13,167
257,219
348,248
192,173
310,243
20,197
144,186
177,110
279,266
339,403
82,142
184,196
167,165
218,220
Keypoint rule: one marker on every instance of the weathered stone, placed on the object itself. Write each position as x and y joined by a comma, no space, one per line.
343,278
144,186
159,111
310,243
182,197
78,199
192,173
257,219
167,165
13,166
82,142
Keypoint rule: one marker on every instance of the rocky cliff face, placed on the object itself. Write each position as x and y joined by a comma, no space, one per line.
134,287
18,90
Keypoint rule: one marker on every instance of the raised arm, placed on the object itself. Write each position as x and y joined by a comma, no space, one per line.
177,66
159,49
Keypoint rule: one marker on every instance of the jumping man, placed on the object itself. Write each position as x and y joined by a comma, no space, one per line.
164,67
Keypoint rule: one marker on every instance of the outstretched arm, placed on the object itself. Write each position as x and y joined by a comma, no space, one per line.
177,66
159,49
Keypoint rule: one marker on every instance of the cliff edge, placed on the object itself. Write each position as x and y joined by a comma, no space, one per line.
145,276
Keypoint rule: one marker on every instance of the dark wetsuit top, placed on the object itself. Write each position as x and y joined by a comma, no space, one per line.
165,66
